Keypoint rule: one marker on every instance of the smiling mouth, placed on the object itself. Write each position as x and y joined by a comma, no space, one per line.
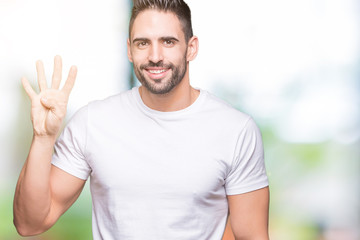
157,71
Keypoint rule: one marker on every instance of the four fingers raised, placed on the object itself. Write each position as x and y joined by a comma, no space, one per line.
56,78
48,108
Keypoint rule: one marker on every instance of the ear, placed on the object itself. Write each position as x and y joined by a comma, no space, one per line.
129,51
193,48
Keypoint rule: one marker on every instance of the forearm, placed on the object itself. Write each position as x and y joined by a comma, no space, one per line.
32,200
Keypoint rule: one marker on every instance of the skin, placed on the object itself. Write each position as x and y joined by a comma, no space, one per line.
44,192
249,214
158,37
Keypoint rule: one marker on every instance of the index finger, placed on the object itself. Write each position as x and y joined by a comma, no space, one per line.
70,80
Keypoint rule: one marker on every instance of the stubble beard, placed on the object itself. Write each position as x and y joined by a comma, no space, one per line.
161,86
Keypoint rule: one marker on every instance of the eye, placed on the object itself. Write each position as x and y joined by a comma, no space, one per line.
168,42
142,44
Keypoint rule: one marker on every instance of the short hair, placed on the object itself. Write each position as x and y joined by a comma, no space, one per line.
178,7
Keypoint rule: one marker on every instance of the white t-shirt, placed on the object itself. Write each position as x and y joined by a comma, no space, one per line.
161,175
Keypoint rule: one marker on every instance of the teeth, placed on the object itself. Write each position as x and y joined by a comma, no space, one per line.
157,71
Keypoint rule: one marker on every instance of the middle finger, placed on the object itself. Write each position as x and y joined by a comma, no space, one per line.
41,75
56,78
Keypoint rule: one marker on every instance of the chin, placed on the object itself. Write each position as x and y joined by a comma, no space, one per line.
159,89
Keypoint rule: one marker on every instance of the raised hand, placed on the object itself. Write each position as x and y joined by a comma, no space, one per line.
48,108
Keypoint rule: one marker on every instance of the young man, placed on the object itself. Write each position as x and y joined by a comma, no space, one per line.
166,161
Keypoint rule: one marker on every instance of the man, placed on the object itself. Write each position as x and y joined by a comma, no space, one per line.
166,161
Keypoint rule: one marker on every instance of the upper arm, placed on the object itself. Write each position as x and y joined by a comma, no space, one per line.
65,189
249,213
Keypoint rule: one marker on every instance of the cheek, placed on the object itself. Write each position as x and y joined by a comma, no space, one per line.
138,56
176,56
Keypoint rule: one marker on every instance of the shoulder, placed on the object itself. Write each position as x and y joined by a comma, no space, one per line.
223,112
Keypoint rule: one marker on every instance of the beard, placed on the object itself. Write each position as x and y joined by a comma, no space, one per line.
161,86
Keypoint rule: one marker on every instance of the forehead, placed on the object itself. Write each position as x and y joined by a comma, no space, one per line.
153,23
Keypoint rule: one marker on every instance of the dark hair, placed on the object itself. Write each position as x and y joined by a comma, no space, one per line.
178,7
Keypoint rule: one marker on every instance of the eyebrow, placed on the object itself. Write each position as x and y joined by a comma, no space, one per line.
169,39
166,38
140,39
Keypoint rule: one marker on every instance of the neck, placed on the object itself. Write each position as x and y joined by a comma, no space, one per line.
180,97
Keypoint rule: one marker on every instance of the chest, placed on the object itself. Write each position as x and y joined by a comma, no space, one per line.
181,162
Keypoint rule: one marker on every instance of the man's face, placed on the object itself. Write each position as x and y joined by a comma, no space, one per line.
158,50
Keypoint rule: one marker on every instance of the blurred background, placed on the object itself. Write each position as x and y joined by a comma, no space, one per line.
292,65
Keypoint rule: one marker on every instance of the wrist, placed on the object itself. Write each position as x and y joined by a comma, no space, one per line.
45,139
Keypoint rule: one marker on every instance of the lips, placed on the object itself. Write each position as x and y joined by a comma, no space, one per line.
157,72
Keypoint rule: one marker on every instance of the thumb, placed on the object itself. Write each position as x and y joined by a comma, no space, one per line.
48,103
53,106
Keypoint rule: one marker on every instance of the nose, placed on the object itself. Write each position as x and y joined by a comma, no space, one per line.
155,53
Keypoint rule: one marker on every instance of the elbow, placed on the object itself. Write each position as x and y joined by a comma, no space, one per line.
28,226
23,231
27,230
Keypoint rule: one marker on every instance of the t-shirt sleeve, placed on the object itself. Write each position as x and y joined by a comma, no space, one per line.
70,147
248,171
